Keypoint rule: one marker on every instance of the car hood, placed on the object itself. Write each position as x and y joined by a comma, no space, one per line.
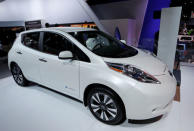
143,61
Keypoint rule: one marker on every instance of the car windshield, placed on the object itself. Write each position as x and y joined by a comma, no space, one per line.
104,45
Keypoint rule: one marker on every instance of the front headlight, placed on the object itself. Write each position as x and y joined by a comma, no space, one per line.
133,72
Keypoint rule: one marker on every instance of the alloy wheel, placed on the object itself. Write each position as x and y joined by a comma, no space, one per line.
103,106
17,74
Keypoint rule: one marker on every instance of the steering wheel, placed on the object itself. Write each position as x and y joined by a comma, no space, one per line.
95,47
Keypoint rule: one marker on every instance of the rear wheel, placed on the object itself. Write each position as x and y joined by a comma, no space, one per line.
18,75
106,106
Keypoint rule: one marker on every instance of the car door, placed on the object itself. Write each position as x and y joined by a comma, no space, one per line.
28,55
57,74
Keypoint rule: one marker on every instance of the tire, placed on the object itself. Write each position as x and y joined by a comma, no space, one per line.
106,106
18,76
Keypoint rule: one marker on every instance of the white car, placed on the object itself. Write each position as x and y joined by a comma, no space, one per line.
116,81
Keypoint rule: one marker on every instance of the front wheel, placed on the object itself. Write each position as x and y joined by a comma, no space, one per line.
18,75
106,106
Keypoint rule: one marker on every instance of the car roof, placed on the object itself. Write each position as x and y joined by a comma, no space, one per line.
72,29
64,29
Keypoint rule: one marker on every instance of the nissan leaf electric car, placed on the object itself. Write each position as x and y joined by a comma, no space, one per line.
116,81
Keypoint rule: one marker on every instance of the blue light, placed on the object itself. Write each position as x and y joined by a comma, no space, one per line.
151,25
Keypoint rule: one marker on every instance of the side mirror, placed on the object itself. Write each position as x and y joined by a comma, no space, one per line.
123,41
66,55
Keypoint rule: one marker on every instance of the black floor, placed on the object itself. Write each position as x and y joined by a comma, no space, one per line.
4,70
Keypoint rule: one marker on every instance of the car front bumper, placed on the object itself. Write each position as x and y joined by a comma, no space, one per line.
147,101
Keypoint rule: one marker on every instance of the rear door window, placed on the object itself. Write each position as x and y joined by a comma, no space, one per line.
31,40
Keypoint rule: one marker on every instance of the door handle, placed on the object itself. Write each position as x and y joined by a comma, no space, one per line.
19,52
42,60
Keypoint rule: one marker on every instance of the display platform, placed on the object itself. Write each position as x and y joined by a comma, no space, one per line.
38,109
